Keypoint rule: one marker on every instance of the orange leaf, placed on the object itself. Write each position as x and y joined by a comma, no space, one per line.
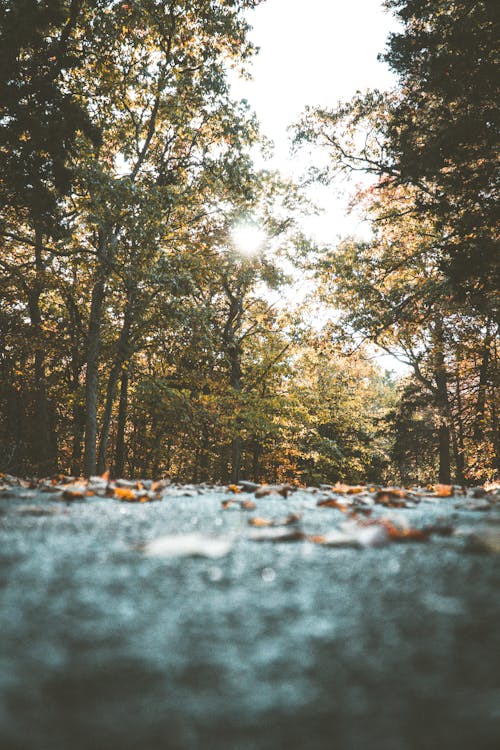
124,494
259,522
233,488
316,539
398,534
443,490
247,505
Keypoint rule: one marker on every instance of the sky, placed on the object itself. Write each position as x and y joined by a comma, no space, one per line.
315,52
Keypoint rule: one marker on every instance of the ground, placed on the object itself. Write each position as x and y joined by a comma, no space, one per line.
107,643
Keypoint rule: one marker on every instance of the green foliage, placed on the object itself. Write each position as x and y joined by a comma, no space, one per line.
40,116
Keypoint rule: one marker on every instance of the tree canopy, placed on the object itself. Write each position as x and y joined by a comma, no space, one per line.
139,337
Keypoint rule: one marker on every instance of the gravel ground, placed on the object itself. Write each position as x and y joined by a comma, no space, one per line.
274,645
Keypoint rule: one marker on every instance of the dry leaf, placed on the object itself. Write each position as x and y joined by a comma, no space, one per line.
443,490
243,504
391,497
330,502
353,535
123,493
288,521
276,534
76,492
398,534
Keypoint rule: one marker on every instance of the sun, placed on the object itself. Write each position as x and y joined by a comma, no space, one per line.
247,238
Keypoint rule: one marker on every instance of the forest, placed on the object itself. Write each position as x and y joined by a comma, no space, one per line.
149,323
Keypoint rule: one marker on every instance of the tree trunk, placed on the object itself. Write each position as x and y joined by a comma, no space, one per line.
120,457
78,432
92,358
232,347
479,422
444,476
236,449
92,375
204,455
443,405
123,354
256,453
236,443
43,457
458,434
106,418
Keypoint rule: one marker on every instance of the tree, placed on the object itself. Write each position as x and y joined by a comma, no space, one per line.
41,121
436,134
443,131
393,293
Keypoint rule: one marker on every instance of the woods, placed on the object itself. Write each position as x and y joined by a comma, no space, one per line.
138,335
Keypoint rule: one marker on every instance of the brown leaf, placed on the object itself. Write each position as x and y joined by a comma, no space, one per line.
288,521
275,534
329,502
274,489
247,505
75,493
392,497
243,504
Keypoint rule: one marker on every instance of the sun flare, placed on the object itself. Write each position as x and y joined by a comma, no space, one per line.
247,238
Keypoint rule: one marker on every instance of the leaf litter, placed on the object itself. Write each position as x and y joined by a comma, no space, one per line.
358,529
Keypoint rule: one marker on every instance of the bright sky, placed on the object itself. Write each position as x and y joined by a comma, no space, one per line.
315,52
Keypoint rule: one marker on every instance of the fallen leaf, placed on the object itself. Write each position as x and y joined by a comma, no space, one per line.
399,534
246,486
392,497
347,489
259,522
276,534
330,502
37,510
262,522
353,535
247,504
243,504
274,489
122,493
443,490
76,492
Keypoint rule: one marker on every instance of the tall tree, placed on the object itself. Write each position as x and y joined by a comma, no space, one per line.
41,120
436,133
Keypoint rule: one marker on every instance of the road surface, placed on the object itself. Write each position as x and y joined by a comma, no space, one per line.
107,645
